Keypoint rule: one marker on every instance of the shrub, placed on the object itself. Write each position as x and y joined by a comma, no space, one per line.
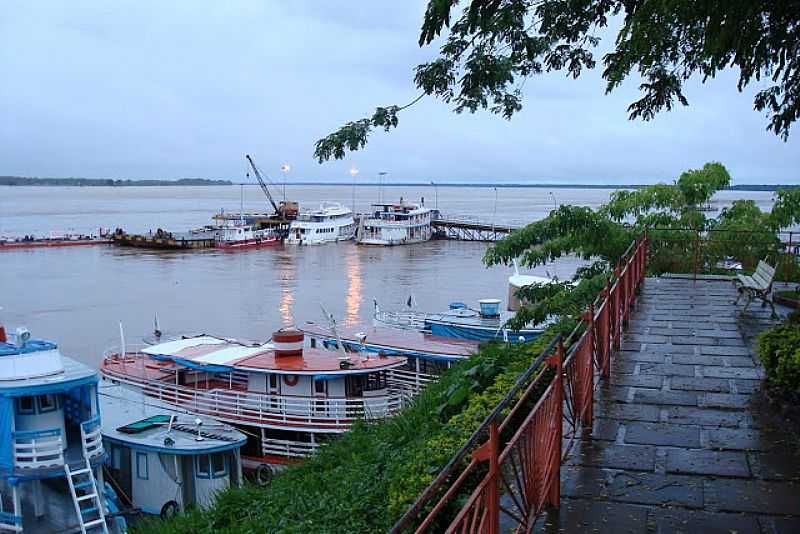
779,350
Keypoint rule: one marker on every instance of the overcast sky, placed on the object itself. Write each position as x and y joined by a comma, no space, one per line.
154,89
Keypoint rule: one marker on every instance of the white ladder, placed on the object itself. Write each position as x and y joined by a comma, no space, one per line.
91,517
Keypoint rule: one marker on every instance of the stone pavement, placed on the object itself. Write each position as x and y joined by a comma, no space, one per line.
680,442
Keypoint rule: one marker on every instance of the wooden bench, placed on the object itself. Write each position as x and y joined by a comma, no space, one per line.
758,286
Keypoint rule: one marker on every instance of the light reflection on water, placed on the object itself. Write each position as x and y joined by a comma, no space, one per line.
77,296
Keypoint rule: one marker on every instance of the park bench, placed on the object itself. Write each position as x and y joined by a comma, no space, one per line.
758,286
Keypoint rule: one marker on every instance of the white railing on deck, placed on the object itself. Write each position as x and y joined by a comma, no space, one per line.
36,449
333,414
409,382
92,437
284,447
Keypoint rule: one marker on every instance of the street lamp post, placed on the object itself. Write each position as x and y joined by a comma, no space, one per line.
380,185
555,204
354,173
285,168
435,193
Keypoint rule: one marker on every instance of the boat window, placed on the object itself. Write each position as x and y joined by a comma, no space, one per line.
202,466
273,382
320,386
47,403
142,469
376,381
218,465
25,405
116,457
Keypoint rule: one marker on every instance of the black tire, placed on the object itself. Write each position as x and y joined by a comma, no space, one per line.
263,475
169,510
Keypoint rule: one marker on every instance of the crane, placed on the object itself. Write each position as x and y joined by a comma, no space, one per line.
263,184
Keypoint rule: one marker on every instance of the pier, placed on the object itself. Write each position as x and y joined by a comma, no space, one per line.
465,229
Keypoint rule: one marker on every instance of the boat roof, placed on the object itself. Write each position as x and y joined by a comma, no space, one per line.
318,362
142,423
222,355
402,340
29,373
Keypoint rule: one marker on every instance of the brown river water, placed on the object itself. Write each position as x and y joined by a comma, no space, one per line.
77,296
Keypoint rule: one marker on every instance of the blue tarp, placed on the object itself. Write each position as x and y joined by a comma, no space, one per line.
6,431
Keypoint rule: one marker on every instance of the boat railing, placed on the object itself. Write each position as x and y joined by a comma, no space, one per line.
410,320
290,448
324,414
37,449
409,382
92,437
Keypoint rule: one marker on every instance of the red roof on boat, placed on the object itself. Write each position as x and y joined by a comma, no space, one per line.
317,361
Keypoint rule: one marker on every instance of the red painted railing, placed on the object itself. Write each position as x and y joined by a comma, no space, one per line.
518,465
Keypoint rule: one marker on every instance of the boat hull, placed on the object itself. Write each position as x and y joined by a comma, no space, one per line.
53,243
479,333
248,244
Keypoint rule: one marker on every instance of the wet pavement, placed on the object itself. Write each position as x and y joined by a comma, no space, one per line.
681,441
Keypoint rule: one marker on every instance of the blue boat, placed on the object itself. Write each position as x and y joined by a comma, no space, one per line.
49,429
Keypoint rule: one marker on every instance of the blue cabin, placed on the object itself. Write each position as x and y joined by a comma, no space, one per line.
49,430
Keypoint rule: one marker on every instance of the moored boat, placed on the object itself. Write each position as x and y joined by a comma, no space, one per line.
288,398
49,429
244,236
400,223
164,460
330,222
426,355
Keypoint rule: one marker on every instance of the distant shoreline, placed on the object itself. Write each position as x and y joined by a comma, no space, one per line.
98,182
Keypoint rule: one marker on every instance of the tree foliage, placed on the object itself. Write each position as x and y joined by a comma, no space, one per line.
490,47
681,236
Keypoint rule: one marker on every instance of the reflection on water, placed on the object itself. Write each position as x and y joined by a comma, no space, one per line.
354,296
78,296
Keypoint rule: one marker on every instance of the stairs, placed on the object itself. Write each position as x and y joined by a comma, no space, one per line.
86,498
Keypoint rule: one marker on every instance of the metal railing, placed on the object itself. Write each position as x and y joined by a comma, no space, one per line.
37,449
518,449
322,414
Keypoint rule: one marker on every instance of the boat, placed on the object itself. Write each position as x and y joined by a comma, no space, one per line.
54,240
49,430
288,398
427,356
240,236
330,222
164,460
402,223
483,323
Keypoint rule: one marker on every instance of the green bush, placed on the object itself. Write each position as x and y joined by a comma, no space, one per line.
779,350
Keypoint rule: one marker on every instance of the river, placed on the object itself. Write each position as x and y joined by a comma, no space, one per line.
77,296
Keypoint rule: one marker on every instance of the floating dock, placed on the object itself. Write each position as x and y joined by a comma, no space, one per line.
42,243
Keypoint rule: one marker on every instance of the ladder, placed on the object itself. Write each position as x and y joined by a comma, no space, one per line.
86,498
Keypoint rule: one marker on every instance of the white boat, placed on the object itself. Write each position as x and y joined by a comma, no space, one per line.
162,459
239,236
287,398
331,222
396,224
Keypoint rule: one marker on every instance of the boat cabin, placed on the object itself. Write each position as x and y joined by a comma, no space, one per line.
290,397
49,429
163,459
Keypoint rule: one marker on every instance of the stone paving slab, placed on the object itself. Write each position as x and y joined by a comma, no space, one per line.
680,442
